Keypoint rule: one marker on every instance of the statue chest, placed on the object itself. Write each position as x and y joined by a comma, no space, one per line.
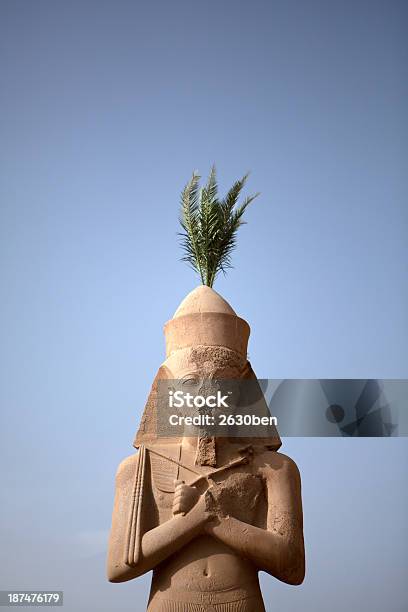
239,492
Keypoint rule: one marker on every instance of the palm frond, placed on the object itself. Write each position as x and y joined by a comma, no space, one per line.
189,221
208,222
210,226
230,200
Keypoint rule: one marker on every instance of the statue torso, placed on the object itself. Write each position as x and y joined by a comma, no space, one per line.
207,565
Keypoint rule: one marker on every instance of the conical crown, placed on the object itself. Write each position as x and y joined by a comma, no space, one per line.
205,318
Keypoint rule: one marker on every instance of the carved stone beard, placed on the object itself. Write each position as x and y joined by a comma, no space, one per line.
206,454
213,362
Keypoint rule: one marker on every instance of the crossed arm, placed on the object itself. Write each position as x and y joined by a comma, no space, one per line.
277,550
158,543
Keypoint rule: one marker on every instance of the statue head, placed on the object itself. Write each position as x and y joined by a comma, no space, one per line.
206,341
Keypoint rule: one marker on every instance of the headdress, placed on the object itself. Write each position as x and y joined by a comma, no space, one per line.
203,318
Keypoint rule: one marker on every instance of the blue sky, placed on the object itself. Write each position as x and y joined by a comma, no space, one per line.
106,109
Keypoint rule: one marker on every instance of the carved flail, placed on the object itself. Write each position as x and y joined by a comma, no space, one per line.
160,473
134,532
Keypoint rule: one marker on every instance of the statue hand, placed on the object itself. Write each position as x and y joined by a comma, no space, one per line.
185,497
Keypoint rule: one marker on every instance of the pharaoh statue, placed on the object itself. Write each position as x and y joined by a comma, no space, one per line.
205,513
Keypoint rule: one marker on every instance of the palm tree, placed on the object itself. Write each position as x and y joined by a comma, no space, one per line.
210,225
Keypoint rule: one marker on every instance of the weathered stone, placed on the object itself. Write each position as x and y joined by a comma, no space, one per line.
205,514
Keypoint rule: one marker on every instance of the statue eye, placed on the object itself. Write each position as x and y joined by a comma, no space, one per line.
190,382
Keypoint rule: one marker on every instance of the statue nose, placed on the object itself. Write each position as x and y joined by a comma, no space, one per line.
209,386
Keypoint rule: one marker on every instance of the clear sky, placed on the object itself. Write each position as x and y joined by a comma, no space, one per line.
106,109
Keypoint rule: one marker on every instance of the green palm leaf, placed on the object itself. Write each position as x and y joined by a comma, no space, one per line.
189,220
210,226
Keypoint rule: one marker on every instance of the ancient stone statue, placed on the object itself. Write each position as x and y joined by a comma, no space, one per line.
206,514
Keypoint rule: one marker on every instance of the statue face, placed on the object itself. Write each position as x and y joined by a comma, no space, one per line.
201,371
